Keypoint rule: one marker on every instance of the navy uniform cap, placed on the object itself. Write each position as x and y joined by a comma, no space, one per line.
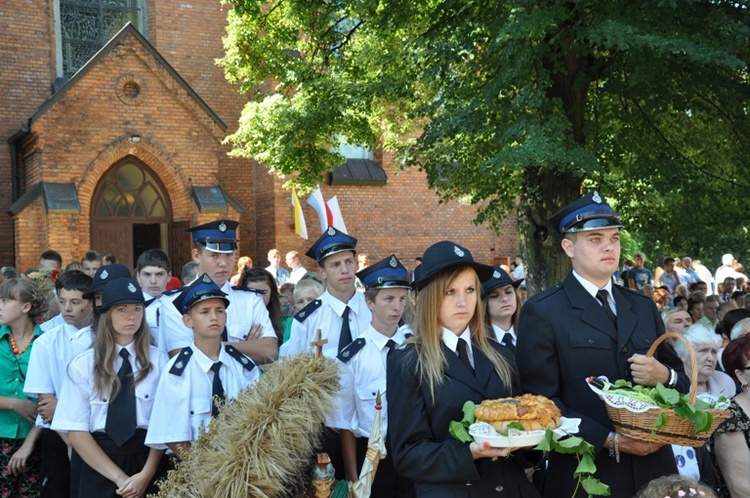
217,236
445,255
386,274
590,212
106,274
331,242
202,289
499,278
121,291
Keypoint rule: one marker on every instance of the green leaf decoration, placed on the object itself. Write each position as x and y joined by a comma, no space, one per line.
585,466
459,431
513,425
661,420
594,487
468,409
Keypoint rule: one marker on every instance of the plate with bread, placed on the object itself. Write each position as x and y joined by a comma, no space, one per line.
519,422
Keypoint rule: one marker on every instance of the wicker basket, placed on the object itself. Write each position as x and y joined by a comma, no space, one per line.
640,422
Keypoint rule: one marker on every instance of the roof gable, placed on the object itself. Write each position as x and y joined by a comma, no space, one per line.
129,30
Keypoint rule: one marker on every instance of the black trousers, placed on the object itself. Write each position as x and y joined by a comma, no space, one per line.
55,466
388,483
130,457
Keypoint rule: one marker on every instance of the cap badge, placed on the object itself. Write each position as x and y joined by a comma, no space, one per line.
331,231
104,275
131,287
458,251
496,274
596,197
222,227
393,262
206,279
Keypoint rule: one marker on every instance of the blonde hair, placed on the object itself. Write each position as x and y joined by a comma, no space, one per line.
106,381
431,360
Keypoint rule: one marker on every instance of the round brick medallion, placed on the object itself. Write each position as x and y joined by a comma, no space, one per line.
129,89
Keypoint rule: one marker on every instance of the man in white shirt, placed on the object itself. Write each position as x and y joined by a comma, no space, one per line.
294,262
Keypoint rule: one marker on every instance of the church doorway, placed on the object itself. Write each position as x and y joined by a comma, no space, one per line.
130,212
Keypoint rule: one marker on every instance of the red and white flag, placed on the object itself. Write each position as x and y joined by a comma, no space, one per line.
318,204
337,221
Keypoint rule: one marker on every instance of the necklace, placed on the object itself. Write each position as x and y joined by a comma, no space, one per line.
14,346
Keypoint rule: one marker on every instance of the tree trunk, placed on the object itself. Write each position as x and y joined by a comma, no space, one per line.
544,192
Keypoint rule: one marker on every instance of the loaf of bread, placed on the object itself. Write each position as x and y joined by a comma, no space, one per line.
531,411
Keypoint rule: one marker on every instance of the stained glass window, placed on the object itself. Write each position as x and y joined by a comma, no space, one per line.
86,25
129,191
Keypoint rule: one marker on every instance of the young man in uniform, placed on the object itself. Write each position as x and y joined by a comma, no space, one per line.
248,327
340,314
386,291
153,271
586,326
191,382
47,369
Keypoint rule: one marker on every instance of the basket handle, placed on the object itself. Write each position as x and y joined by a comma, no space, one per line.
693,359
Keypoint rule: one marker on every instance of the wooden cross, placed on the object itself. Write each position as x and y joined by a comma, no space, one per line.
318,343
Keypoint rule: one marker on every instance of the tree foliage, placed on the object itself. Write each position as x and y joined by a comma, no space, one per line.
511,105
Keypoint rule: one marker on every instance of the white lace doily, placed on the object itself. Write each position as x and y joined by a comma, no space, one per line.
620,401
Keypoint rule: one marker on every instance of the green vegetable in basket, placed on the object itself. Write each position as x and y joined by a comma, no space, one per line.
668,398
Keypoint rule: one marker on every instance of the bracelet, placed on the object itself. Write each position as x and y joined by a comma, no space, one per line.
612,439
617,448
672,378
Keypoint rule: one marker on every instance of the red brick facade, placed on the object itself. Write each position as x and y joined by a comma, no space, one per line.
86,128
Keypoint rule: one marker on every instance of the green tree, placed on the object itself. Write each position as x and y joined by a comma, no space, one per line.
504,104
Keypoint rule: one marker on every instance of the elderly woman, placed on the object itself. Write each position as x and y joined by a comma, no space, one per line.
732,438
705,343
695,462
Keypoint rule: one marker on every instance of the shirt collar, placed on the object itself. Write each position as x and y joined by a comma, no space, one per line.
500,333
450,339
5,331
381,340
593,289
338,306
204,362
130,347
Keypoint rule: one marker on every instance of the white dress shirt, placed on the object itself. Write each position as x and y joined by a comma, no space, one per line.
183,402
327,318
365,375
81,408
52,353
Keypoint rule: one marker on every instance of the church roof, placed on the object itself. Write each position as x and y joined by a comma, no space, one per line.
127,30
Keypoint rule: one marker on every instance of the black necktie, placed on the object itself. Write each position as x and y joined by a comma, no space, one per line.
346,333
121,417
463,354
217,389
603,296
391,345
508,341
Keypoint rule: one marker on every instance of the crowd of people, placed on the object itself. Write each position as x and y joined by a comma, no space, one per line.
110,375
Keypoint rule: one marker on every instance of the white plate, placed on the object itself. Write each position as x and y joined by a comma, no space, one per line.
484,432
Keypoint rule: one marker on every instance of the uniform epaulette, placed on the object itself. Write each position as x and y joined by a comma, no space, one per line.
183,357
246,362
149,302
305,312
173,291
351,350
247,289
408,335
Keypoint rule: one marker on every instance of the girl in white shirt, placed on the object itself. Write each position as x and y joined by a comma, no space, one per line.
105,402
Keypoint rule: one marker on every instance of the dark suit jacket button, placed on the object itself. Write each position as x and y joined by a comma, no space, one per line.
647,341
469,483
591,341
624,350
499,489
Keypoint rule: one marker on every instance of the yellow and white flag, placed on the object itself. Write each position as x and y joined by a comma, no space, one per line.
300,227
